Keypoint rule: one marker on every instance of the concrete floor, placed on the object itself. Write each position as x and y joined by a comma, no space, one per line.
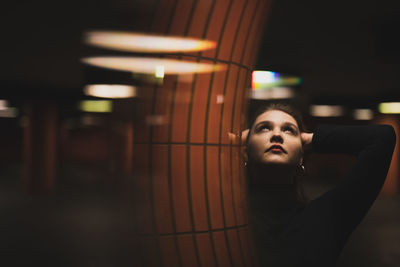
87,222
376,241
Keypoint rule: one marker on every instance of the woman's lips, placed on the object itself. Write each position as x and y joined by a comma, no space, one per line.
276,149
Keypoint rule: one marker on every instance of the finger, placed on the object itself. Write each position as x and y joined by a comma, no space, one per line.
303,137
244,135
232,137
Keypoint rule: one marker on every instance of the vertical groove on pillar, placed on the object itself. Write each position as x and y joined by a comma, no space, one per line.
232,162
219,149
212,9
208,204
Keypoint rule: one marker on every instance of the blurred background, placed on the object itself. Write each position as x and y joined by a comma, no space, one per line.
119,122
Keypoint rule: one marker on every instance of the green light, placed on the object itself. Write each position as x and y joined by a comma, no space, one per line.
389,107
96,105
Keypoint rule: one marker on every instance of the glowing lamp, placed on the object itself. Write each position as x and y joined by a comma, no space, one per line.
363,114
9,112
160,71
389,107
110,90
95,106
155,66
273,93
3,104
326,111
145,43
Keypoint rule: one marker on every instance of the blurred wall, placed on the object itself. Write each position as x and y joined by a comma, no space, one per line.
190,190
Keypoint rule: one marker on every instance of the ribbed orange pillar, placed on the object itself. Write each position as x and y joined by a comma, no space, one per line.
190,192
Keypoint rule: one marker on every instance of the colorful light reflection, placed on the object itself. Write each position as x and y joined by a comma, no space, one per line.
145,43
269,79
152,65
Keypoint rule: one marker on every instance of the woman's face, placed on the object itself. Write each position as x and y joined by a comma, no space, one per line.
275,139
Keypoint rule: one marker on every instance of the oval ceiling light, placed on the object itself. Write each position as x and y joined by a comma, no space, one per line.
363,114
110,90
273,93
101,106
152,65
145,43
9,112
3,104
326,111
389,107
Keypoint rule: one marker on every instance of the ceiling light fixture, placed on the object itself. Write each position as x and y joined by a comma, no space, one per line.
110,90
273,93
145,43
363,114
389,107
152,65
326,110
95,105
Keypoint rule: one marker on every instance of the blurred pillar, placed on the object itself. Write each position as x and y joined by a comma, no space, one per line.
40,146
391,186
191,205
127,161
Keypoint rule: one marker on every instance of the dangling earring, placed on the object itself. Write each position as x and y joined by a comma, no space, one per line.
245,159
301,170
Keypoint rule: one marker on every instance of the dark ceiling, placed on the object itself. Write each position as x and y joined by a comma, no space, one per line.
342,49
42,42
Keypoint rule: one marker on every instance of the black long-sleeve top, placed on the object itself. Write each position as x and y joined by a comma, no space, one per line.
289,233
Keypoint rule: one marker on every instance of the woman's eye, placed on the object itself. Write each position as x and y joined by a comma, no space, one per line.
289,129
264,128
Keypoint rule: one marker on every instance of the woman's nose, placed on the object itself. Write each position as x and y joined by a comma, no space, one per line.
276,137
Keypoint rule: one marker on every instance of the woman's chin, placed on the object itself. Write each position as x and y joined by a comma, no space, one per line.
278,164
275,161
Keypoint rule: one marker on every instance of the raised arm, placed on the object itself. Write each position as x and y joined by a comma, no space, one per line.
341,209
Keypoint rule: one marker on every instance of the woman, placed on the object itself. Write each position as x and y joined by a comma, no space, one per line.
287,230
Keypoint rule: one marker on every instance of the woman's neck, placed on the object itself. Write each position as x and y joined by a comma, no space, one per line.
274,187
273,200
267,175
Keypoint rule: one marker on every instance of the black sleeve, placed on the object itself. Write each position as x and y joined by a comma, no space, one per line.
373,145
333,216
